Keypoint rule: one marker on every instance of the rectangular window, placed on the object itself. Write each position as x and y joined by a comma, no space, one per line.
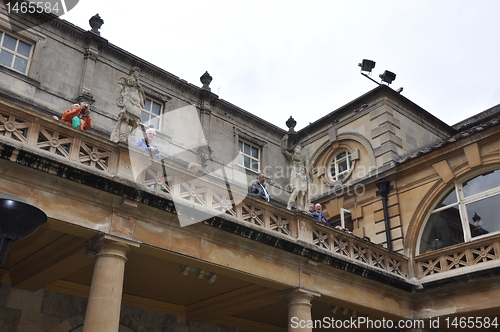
14,53
151,115
249,155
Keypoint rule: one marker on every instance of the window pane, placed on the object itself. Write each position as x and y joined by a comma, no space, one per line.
488,211
343,166
6,58
155,122
247,162
443,229
24,49
246,149
255,152
448,199
156,108
240,146
255,165
144,117
9,42
147,105
20,64
482,183
332,171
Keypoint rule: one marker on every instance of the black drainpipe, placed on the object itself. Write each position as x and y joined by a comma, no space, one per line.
384,187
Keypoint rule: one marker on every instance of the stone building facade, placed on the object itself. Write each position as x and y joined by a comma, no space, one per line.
136,242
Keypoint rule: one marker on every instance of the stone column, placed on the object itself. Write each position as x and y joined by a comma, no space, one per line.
103,308
299,308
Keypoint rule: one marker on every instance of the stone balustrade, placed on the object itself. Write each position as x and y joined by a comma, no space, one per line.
461,256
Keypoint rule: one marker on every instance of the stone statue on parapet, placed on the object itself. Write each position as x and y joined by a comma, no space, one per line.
130,98
299,179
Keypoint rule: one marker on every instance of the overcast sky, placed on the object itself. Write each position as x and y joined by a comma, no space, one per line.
277,58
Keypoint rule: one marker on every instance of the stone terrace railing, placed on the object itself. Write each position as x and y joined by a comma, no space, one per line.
462,255
61,140
96,152
278,219
362,251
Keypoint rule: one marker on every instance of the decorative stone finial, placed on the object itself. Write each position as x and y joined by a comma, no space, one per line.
95,23
290,123
205,80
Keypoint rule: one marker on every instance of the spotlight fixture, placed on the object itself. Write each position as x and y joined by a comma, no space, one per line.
201,274
185,270
367,65
388,77
366,68
212,278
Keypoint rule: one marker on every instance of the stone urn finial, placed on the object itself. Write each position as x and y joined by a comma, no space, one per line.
95,23
291,123
205,80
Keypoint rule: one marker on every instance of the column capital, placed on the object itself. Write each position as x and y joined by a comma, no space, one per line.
298,294
106,244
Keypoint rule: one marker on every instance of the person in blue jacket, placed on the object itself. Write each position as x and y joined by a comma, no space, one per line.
319,215
147,143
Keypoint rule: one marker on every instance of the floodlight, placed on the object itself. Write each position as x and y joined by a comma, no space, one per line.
388,77
367,65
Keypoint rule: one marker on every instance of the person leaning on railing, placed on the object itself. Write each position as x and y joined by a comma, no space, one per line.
147,143
258,188
318,214
78,116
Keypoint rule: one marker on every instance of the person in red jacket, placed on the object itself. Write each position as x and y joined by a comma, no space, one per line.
78,116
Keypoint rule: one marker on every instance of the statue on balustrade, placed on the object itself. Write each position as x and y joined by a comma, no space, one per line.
130,98
299,178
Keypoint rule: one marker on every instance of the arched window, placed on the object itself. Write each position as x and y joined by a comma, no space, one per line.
341,165
469,210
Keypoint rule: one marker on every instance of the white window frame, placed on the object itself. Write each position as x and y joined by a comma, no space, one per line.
150,113
15,53
462,203
335,163
242,155
343,216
